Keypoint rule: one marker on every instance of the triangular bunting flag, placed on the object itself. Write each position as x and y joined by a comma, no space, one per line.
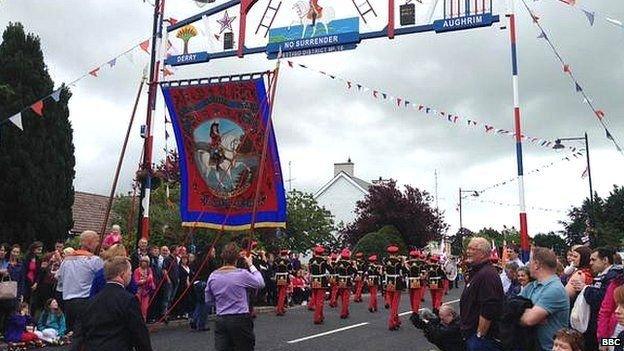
609,136
578,87
17,120
384,95
359,86
420,107
398,101
566,68
600,114
542,35
304,66
455,119
166,135
167,72
488,128
406,103
290,63
332,77
112,62
616,22
348,85
590,16
38,107
375,94
56,95
130,57
94,72
145,46
172,21
427,110
535,17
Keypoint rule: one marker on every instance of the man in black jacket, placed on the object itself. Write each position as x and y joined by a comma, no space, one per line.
444,331
113,321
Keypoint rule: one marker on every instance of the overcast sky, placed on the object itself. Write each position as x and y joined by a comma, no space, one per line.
318,122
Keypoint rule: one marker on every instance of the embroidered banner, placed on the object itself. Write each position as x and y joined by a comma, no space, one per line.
220,130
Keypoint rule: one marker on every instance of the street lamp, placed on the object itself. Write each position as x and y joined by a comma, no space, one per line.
474,193
559,145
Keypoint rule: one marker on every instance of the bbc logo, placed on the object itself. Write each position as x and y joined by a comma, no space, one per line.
611,342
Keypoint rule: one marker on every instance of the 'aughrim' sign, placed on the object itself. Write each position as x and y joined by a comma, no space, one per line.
474,21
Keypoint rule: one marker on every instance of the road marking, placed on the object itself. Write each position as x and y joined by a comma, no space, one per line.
347,327
327,333
410,312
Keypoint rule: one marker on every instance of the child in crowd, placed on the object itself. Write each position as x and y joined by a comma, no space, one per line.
568,340
51,326
20,328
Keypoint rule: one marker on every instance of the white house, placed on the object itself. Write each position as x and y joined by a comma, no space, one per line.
341,194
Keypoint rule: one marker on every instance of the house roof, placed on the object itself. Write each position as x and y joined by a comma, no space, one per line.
360,184
89,211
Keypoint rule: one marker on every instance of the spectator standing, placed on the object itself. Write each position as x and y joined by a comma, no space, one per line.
513,256
551,305
168,266
144,278
482,299
16,269
113,320
185,275
139,253
604,272
32,264
511,270
99,280
580,261
227,288
524,277
76,276
7,307
45,284
112,238
200,313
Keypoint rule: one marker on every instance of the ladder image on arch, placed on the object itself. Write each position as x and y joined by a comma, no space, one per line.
269,16
364,8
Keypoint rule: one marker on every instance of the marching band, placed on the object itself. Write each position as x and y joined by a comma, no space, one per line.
336,276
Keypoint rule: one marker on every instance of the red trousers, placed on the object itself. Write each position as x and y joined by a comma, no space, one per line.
372,303
281,300
436,297
318,302
387,298
445,285
358,291
415,298
393,317
28,337
345,296
333,301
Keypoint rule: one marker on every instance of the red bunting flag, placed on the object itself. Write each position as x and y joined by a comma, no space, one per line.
145,46
290,63
375,94
420,107
488,128
167,72
94,72
399,102
37,107
569,2
600,114
172,21
566,69
535,17
348,85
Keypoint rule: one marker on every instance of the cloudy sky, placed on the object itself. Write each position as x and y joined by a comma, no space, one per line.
318,122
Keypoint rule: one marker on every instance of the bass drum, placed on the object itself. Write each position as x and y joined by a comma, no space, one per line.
450,269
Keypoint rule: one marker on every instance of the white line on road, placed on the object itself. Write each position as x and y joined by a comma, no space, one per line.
410,312
347,328
327,333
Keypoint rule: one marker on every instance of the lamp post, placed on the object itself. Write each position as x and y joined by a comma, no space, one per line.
474,193
559,145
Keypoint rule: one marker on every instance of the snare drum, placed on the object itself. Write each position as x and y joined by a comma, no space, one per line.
435,283
414,283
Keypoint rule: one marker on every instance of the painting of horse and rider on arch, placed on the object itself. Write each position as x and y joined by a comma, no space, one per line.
281,26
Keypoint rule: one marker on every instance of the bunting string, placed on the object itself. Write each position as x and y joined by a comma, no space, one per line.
352,85
533,171
592,14
598,113
37,107
506,204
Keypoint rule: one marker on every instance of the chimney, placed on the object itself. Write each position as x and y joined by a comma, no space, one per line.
346,167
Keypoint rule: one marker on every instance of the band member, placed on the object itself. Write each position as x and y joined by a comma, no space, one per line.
318,281
345,269
360,267
373,273
416,284
435,276
333,281
282,269
393,268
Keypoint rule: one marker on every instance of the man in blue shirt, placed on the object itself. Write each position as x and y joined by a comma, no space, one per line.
551,305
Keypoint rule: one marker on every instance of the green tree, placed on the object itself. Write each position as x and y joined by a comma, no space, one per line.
410,211
377,242
307,224
37,164
551,241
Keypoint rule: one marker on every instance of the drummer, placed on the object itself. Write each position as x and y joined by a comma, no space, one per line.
435,276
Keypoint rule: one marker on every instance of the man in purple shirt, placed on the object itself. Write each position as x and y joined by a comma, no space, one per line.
227,289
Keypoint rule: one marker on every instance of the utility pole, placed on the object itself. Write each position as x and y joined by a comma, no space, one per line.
146,167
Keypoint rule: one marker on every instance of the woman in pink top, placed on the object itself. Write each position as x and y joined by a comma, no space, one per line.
32,263
112,238
144,278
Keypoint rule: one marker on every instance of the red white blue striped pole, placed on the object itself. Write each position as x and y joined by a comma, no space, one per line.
524,233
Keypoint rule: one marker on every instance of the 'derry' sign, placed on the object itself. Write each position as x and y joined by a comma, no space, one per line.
337,35
465,22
